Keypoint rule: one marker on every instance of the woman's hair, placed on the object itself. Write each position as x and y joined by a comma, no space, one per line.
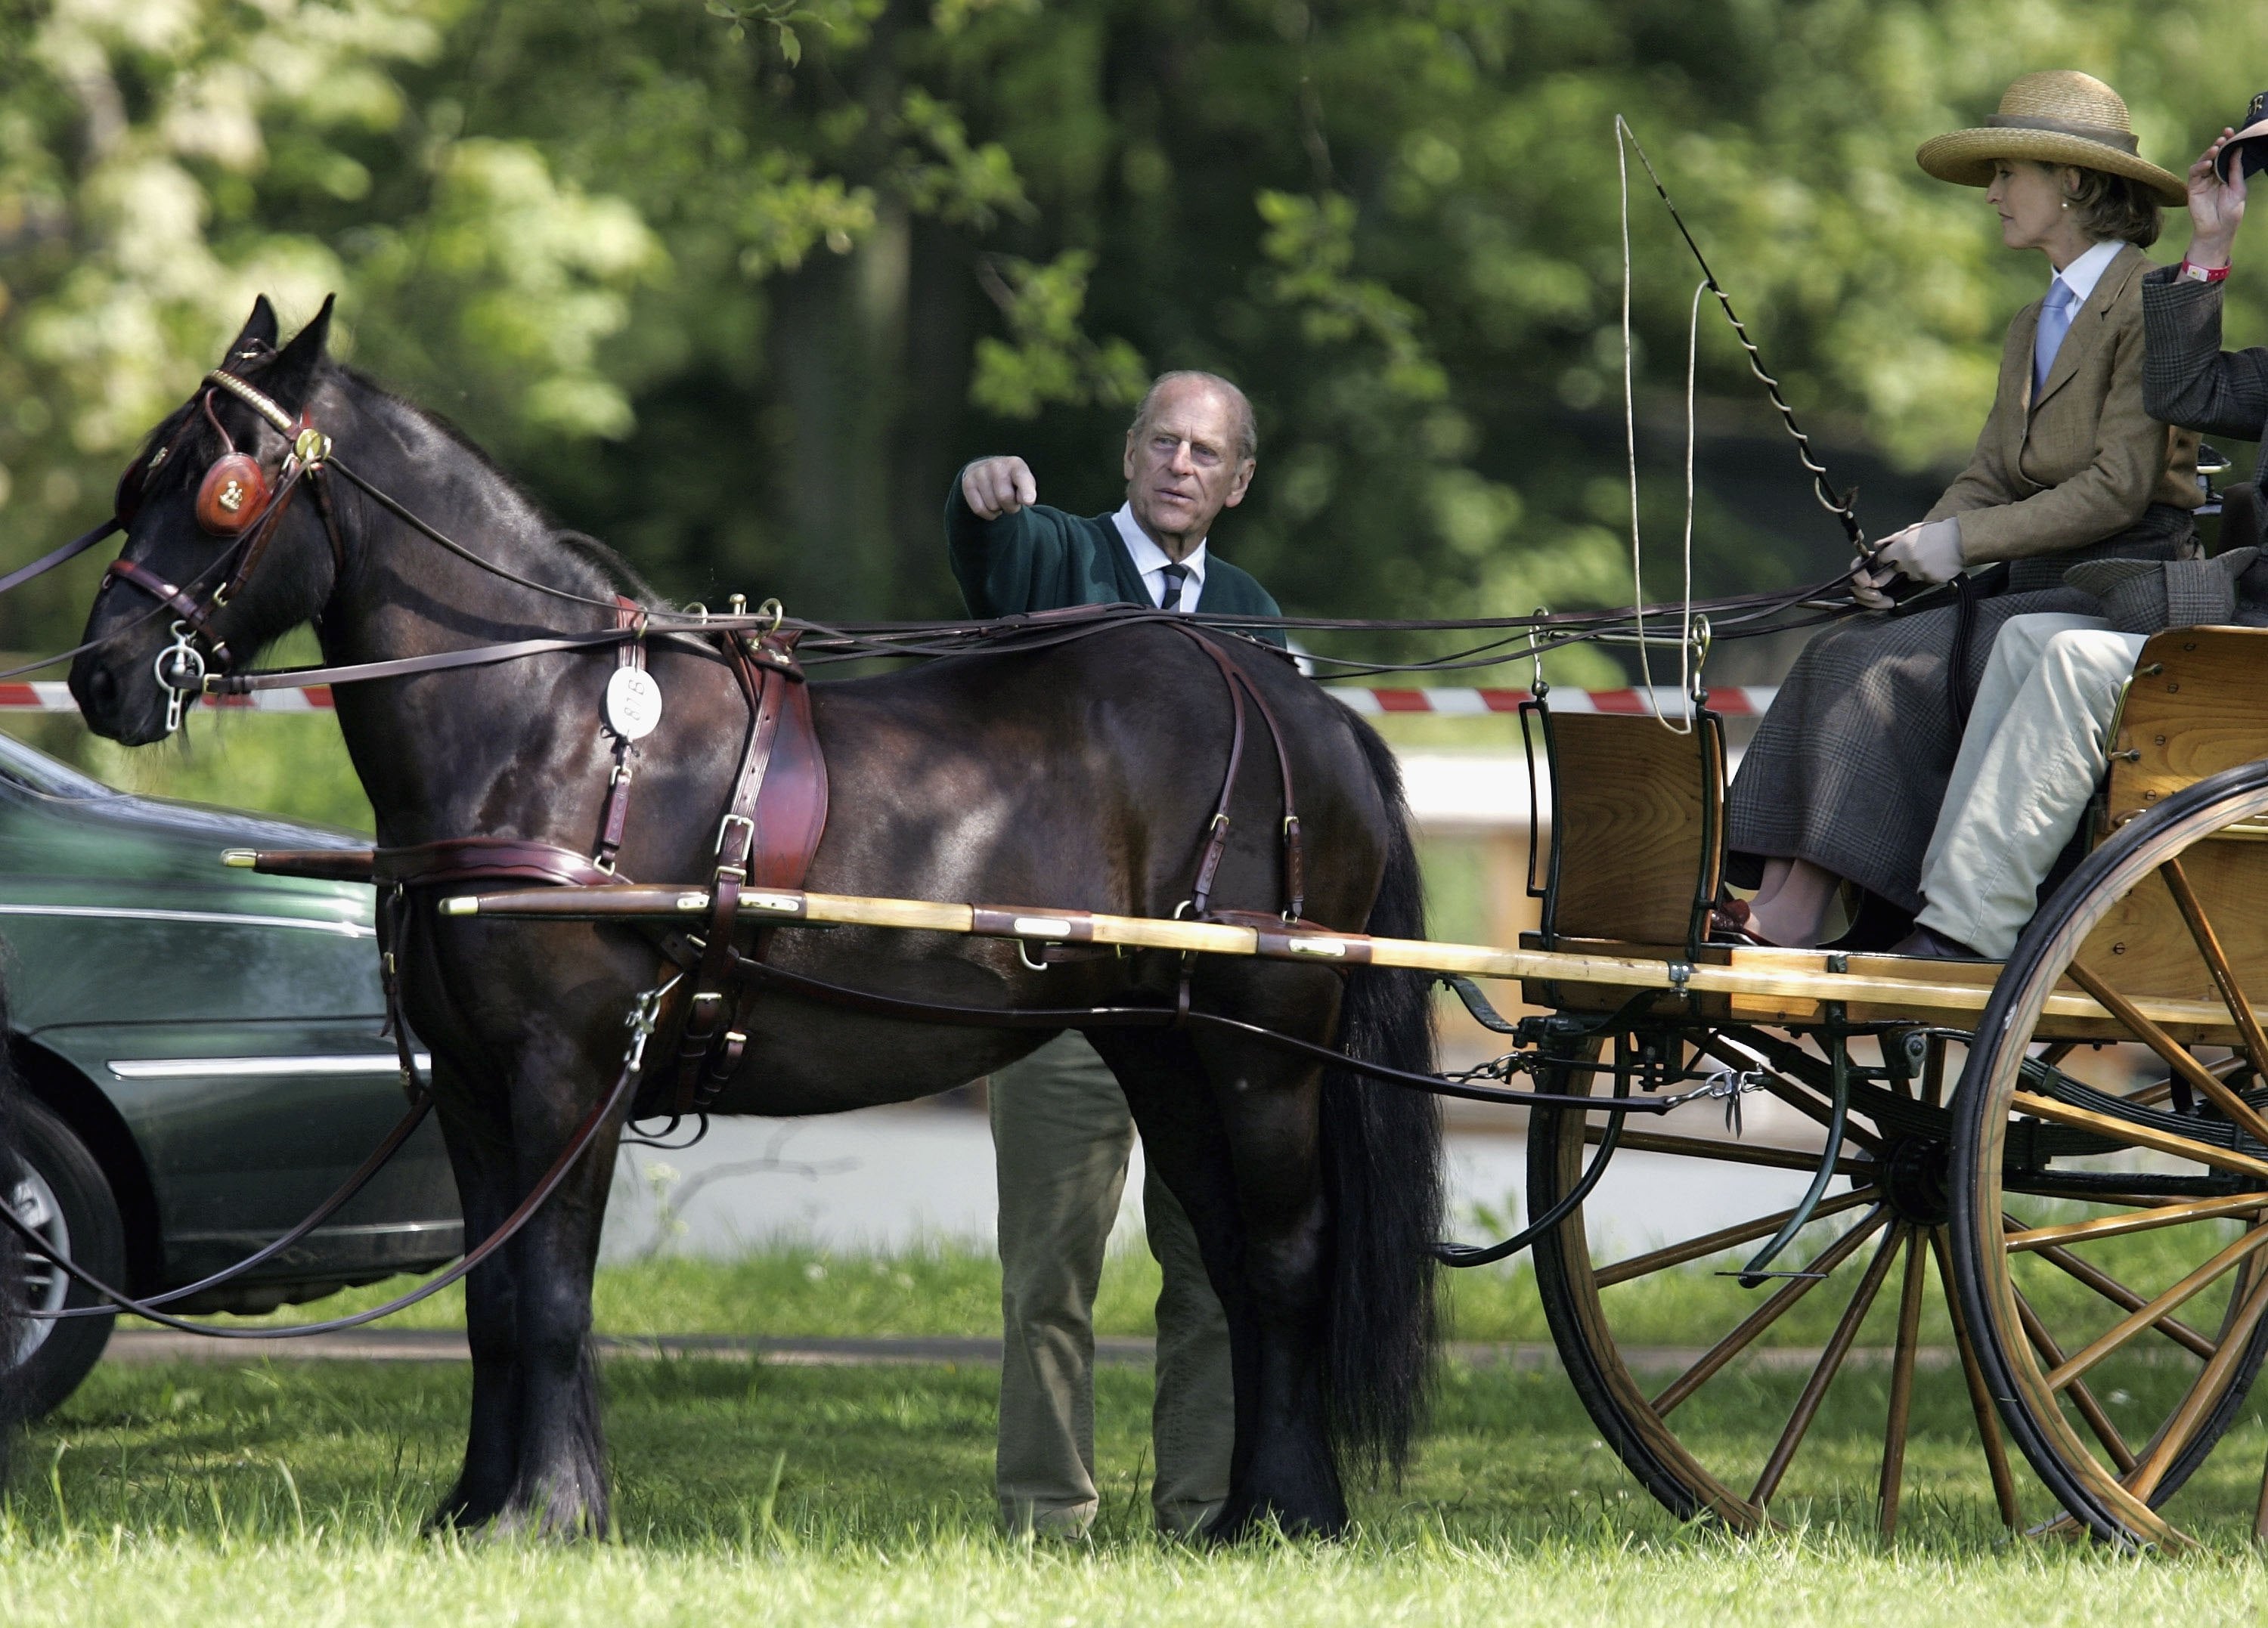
2115,206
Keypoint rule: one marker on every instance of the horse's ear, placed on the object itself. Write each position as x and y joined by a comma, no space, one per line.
259,335
294,369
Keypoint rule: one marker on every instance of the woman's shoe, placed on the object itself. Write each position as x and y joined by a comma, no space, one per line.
1729,923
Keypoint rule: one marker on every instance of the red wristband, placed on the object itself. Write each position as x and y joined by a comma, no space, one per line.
2202,273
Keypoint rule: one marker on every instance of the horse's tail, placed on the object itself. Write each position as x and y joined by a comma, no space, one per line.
1383,1164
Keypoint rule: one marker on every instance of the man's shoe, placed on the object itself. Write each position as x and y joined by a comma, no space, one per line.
1927,944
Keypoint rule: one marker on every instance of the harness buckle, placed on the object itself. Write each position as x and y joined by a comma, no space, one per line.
724,826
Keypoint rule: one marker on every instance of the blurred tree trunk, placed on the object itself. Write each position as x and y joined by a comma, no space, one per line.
838,334
933,406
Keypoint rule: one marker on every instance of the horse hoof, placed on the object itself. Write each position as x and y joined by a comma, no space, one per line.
1242,1524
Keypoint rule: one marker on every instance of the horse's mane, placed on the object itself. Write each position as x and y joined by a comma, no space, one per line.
616,573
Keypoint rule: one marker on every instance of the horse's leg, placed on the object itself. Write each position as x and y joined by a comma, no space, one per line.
1232,1127
559,1484
480,1153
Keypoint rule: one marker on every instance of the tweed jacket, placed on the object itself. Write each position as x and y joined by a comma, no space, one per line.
2189,379
2082,462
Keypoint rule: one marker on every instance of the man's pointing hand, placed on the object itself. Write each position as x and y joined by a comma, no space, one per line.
994,487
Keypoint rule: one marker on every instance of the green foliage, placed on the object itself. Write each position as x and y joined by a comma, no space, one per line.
738,286
1052,358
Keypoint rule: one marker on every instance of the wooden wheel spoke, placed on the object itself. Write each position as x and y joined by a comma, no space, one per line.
2176,1055
2150,1311
1714,1242
2089,1408
1980,1397
1771,1312
1830,1363
1932,1072
1731,1153
2138,1135
1901,1372
2118,1226
2203,1394
2224,980
2119,1295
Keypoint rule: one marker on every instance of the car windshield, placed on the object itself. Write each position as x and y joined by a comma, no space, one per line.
35,771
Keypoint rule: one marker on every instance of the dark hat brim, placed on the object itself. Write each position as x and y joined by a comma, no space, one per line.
2251,142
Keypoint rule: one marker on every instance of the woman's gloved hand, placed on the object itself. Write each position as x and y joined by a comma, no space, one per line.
1928,550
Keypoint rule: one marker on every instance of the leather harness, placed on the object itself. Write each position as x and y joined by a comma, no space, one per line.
773,819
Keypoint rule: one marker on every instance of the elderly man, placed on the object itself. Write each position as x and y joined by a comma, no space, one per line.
1061,1131
2037,733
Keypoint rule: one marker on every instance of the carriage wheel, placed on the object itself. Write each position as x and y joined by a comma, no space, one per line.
1870,1310
2141,1162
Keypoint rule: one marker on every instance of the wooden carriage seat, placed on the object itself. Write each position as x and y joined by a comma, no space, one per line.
2197,704
1638,823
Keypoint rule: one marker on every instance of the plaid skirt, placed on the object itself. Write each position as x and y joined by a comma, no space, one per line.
1849,766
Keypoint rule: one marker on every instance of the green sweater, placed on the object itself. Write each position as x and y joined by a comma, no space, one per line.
1041,559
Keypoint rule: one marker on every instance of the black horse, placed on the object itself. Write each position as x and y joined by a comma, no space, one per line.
1079,776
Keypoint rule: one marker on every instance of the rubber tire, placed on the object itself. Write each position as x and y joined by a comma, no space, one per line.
73,1345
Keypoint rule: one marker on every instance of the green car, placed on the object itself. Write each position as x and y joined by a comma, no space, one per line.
202,1063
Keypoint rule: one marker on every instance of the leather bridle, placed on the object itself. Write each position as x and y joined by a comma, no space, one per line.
233,498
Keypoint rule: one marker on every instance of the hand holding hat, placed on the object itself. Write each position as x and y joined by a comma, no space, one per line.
2217,187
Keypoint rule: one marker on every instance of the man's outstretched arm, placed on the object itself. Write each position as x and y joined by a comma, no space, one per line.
1008,553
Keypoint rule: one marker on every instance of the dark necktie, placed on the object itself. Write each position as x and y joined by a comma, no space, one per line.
1177,578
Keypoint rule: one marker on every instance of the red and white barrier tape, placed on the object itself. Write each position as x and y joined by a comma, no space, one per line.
56,697
1732,700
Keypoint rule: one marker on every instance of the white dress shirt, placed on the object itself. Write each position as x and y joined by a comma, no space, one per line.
2083,274
1151,561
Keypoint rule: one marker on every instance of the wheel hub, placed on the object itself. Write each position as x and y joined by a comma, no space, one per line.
1916,1180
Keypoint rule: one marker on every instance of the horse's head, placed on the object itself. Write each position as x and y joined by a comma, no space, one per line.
223,553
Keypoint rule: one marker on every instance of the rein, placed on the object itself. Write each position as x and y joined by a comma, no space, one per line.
645,1018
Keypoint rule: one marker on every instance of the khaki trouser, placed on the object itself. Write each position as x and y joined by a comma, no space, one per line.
1061,1135
2029,761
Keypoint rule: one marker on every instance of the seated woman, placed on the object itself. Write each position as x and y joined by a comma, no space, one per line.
1845,776
2035,741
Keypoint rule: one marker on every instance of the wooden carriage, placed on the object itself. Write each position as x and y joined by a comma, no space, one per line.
2074,1145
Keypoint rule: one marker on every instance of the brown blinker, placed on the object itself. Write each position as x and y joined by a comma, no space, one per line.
233,496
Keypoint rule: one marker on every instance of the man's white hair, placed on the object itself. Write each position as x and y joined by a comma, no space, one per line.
1247,432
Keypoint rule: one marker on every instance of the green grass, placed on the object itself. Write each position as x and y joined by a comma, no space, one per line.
941,1287
292,1492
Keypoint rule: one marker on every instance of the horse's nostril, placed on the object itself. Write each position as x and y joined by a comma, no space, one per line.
102,689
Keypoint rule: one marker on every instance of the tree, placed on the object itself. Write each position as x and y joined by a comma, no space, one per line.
739,286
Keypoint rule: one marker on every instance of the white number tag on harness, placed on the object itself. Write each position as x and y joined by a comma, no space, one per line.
633,703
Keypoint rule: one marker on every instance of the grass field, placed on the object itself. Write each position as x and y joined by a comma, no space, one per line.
254,1494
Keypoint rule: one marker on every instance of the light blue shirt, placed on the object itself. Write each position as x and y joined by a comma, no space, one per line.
1151,561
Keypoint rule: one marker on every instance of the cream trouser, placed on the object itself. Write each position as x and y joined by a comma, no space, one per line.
2028,762
1061,1136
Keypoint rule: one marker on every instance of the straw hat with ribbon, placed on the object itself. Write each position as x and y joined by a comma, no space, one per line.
2057,117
